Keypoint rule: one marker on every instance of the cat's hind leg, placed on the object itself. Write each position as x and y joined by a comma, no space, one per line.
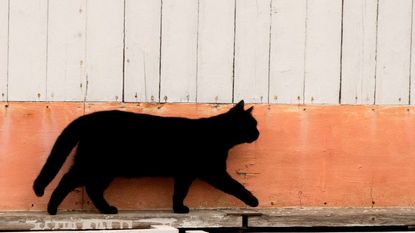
230,186
181,188
69,182
95,190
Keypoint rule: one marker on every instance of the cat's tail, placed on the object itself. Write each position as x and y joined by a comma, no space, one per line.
60,151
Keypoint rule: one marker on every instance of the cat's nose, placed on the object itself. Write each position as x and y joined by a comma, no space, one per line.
255,136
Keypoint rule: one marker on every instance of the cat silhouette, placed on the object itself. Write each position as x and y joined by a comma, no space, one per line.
124,144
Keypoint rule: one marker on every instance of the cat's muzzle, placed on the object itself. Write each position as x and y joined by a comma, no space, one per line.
254,137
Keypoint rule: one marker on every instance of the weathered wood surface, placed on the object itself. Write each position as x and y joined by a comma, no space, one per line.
287,51
288,166
282,217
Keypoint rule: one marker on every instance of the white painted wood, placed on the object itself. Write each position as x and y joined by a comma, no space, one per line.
359,52
179,51
393,52
323,46
4,22
66,50
105,42
52,47
27,50
252,50
215,51
142,51
287,51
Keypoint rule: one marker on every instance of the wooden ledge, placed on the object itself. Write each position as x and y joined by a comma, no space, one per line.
282,217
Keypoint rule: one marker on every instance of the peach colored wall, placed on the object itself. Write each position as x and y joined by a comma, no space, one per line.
335,156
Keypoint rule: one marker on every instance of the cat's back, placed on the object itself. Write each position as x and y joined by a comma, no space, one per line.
120,125
119,119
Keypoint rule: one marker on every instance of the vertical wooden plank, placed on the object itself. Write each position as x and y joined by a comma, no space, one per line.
105,43
287,51
142,50
393,52
27,50
66,50
252,50
4,34
179,51
215,51
359,51
323,47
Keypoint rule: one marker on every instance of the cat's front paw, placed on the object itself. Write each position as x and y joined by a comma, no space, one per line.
181,209
39,189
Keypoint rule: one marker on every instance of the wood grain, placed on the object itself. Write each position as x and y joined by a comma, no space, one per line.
142,50
359,52
4,47
66,51
393,52
27,50
252,42
179,51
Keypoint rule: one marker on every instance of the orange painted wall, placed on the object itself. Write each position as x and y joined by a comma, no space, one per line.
314,156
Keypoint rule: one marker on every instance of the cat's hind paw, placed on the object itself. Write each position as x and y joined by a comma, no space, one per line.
110,210
52,210
181,209
252,201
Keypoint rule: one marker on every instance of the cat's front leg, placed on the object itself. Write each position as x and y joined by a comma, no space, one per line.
230,186
181,188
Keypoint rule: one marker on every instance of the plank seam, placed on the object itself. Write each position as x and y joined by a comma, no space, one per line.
86,54
47,51
376,50
123,57
341,53
8,52
234,51
160,49
269,51
197,51
305,48
410,53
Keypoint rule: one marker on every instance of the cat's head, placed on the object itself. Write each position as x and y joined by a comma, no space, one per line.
241,123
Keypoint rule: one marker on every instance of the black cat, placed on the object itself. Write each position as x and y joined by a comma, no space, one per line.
118,143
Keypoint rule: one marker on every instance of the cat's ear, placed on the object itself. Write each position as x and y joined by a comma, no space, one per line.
249,110
239,107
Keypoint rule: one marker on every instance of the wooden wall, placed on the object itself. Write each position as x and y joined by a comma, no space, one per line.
207,51
269,52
